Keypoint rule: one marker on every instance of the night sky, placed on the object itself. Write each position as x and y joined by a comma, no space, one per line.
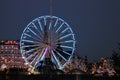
96,23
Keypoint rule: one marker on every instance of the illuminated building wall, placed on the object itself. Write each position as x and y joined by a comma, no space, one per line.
10,54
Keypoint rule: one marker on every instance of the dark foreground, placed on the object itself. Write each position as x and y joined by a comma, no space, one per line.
56,77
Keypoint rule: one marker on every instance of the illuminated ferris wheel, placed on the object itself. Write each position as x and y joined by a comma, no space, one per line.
47,36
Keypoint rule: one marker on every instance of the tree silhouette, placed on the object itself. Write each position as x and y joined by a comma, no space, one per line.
116,59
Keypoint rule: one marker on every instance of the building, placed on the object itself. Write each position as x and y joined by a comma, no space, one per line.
10,54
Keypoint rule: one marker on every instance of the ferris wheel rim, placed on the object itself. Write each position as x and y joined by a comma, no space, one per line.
40,18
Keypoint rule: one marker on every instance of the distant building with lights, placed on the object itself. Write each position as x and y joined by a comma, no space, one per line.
10,54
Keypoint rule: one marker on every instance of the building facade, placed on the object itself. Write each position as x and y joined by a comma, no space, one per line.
10,55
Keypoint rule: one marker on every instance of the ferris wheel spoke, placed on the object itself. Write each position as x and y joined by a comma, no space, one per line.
42,55
60,55
30,41
34,25
34,33
38,57
41,35
45,21
57,60
65,30
67,53
32,55
59,27
40,25
50,25
32,37
29,46
66,47
65,36
69,41
64,52
33,61
56,23
31,50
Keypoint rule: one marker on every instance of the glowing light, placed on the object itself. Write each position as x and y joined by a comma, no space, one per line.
36,45
11,42
44,53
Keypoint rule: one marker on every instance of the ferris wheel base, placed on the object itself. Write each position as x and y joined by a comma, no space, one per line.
48,67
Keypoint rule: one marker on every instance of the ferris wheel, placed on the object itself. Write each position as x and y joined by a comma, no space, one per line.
47,36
